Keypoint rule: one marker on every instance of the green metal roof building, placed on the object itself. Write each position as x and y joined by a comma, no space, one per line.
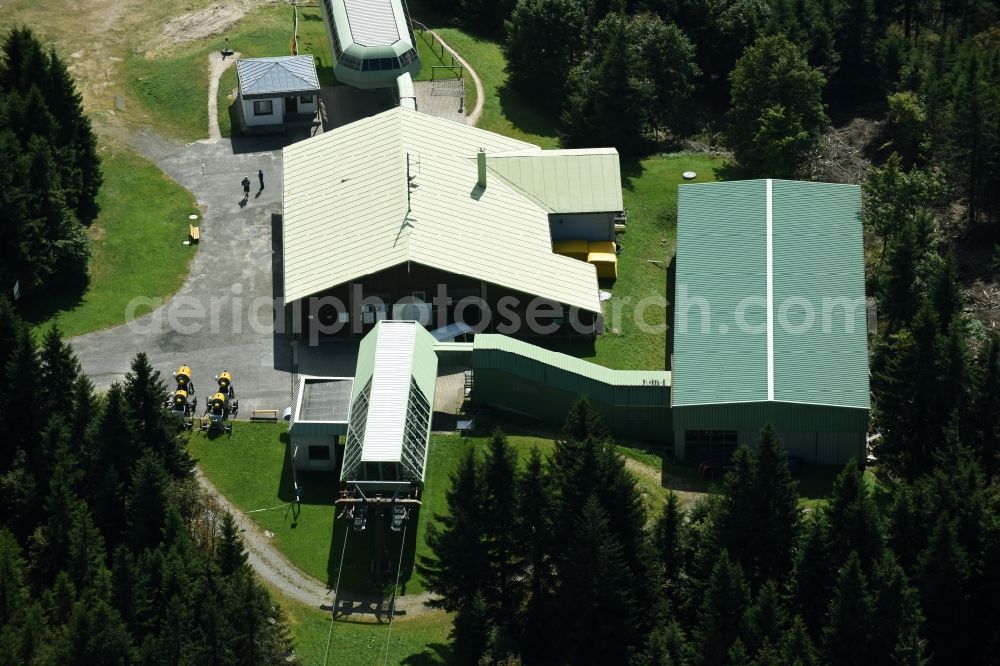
519,377
389,426
770,319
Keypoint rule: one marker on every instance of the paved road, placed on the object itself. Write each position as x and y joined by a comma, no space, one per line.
220,319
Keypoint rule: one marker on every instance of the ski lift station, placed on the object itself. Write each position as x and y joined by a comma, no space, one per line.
766,293
371,40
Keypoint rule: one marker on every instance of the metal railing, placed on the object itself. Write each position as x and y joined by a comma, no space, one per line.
438,49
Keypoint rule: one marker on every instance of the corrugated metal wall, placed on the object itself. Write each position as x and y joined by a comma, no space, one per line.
613,387
640,413
816,433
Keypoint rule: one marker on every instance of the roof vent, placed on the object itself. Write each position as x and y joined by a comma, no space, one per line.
481,163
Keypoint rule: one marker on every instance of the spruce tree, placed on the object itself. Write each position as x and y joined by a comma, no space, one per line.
14,598
983,422
533,533
812,572
723,611
854,519
907,533
848,626
229,553
10,333
766,619
145,396
943,580
669,541
86,557
898,294
21,414
147,504
76,141
58,371
471,630
599,618
500,479
896,615
973,131
460,556
797,648
759,514
666,645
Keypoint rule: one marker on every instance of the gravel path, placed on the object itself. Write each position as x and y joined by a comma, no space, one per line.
477,111
216,66
280,574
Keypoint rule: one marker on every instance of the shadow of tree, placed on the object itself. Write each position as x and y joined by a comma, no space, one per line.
732,170
525,116
433,654
58,300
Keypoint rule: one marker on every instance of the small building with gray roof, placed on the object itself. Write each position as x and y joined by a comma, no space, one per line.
319,421
273,91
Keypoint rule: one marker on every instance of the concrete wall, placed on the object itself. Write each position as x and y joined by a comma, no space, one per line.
278,106
300,448
582,226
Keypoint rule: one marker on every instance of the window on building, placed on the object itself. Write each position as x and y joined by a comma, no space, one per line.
714,445
263,107
319,452
350,61
305,99
408,57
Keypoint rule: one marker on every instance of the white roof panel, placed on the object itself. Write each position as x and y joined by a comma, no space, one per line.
372,22
390,393
345,211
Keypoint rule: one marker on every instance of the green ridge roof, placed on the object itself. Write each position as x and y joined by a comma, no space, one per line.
584,180
742,333
493,341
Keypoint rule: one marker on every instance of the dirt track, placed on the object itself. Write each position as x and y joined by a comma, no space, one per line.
280,574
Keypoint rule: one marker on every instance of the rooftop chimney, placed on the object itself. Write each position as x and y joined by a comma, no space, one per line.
481,163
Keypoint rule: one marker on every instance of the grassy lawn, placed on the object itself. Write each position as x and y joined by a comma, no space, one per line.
138,247
416,641
252,470
504,111
635,316
172,85
433,55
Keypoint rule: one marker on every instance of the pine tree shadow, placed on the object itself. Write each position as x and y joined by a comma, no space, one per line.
525,116
733,170
59,300
433,655
631,170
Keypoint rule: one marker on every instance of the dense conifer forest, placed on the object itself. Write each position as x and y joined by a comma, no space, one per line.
49,171
109,552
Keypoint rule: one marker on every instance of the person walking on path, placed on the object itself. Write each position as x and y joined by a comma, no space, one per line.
260,175
246,188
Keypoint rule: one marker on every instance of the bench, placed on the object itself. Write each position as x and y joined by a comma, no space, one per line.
194,233
263,414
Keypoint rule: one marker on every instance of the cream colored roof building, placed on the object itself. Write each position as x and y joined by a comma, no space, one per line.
402,186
